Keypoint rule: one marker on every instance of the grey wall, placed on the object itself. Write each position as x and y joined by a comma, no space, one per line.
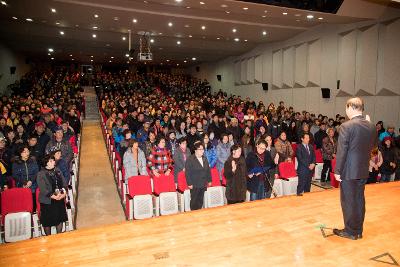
9,58
365,57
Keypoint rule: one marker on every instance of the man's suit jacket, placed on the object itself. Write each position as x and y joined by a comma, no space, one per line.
357,137
304,158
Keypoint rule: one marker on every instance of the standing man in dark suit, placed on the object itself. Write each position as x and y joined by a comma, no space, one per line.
357,137
306,163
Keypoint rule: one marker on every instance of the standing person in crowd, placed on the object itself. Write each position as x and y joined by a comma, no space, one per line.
247,141
160,161
273,170
62,165
275,127
235,130
284,148
59,143
389,133
306,163
43,138
33,146
24,170
329,146
123,146
198,176
258,164
181,132
320,135
388,166
192,137
357,137
53,190
236,176
375,163
143,133
223,152
305,129
172,142
209,151
134,160
379,127
182,153
148,145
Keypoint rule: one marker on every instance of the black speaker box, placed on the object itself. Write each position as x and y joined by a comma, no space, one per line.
197,68
12,70
265,86
219,77
326,92
338,84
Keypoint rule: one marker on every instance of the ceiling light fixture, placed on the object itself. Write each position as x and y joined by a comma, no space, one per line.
264,33
57,23
233,30
224,6
218,38
284,13
127,55
320,18
193,58
116,18
170,24
245,8
134,20
187,26
245,40
29,19
14,17
237,39
4,3
70,55
227,12
152,41
61,32
72,59
297,15
91,60
310,16
264,16
96,16
91,56
53,10
51,50
48,54
202,3
178,42
110,61
203,27
188,7
184,61
123,38
190,36
178,1
94,27
112,57
167,60
52,58
94,35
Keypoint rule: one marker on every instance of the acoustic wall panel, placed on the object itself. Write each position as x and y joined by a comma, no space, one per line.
288,67
391,59
313,95
243,71
384,109
300,70
258,69
346,67
314,63
237,72
299,99
250,70
366,61
277,69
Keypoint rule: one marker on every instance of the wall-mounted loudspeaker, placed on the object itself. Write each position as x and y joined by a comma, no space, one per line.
326,92
197,68
219,77
338,84
13,69
265,86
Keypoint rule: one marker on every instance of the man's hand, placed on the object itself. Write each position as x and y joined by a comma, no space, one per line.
337,177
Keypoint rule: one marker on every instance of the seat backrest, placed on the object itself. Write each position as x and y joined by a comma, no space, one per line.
287,169
318,156
182,183
164,183
16,200
139,185
223,177
294,147
215,181
37,203
118,157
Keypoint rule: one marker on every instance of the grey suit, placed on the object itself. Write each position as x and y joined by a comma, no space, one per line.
357,137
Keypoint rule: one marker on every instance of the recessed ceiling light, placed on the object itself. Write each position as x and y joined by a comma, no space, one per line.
61,32
218,38
123,38
193,58
48,54
227,12
297,20
110,61
233,30
53,10
51,50
320,18
237,39
310,16
94,35
202,3
177,64
264,16
134,20
188,7
167,60
4,3
170,24
14,17
151,40
245,40
178,42
224,6
96,16
245,8
72,59
116,18
94,27
297,15
76,25
91,56
112,57
145,2
178,1
52,58
187,26
70,55
203,27
29,19
160,33
265,11
284,13
57,23
190,36
127,55
264,33
91,60
184,61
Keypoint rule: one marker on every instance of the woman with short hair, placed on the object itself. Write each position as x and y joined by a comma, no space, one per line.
235,172
134,160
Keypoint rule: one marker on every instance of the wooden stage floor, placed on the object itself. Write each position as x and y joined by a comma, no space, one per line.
277,232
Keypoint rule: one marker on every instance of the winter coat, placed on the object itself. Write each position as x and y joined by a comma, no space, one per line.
24,171
236,182
133,168
223,153
328,148
284,148
211,154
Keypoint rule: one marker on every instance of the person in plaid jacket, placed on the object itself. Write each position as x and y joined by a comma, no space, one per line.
160,161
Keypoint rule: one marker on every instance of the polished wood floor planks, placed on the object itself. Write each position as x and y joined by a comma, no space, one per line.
278,232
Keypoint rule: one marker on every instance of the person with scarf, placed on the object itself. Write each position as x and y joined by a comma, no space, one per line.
181,155
134,160
159,161
284,148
